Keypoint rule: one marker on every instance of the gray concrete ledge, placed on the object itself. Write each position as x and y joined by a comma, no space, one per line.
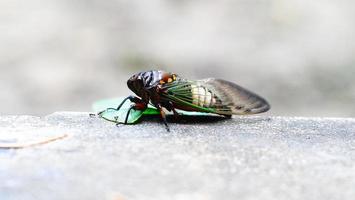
242,158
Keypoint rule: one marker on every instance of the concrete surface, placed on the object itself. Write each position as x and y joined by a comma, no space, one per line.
202,158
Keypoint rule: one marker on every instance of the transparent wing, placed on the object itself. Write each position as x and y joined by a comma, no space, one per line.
240,100
215,96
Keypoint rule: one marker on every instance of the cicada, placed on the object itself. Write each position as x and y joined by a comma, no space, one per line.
172,92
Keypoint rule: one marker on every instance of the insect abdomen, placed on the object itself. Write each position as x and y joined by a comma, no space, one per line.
202,96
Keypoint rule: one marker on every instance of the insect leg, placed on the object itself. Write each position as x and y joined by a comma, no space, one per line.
131,98
228,116
137,106
129,110
163,116
176,114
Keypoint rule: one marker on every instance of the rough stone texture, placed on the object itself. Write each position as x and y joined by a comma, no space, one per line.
241,158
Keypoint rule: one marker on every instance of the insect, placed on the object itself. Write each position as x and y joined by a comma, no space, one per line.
169,91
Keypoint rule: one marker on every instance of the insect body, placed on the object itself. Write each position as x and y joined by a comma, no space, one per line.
167,90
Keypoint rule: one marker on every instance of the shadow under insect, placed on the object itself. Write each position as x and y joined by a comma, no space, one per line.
203,118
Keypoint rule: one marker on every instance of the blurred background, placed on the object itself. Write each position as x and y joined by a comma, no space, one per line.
60,55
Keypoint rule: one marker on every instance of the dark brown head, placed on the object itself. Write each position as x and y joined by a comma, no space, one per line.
135,83
142,82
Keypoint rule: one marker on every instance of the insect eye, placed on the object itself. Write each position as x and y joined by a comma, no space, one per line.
135,77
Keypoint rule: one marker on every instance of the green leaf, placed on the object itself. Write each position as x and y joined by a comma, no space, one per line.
119,116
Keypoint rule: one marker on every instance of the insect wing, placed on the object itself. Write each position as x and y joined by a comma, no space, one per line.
182,94
238,99
215,96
